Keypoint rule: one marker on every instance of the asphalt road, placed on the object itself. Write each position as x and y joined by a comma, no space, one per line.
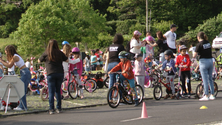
163,112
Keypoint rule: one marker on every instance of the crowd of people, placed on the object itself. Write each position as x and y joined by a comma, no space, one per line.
169,59
59,63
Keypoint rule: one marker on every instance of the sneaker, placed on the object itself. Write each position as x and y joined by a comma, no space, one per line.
189,96
51,112
146,86
205,98
3,108
212,97
136,103
18,109
66,97
172,97
167,96
58,111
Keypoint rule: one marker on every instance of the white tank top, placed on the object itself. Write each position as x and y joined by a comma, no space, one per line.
20,63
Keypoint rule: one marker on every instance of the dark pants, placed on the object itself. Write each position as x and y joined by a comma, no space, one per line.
183,76
54,84
94,67
174,50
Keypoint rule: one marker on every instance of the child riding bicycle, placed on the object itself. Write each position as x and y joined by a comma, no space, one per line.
127,72
169,64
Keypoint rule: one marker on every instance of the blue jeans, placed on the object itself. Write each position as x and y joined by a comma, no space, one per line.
87,69
26,78
112,76
132,84
206,68
54,84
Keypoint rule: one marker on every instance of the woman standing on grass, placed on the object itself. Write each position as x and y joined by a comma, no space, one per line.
53,59
14,58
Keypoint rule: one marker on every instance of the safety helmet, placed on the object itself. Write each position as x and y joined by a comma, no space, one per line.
75,50
123,54
169,53
65,42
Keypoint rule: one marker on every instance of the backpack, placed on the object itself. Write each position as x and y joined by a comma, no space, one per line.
128,46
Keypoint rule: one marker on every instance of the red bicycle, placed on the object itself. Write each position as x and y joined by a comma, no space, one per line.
157,91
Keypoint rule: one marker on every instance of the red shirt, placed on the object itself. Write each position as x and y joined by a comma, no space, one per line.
97,55
124,67
184,60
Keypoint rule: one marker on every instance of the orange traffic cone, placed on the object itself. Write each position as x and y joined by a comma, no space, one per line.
144,111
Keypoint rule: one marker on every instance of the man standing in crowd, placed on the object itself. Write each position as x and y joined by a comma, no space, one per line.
171,37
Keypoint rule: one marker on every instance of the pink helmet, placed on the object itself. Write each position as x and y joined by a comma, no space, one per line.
75,50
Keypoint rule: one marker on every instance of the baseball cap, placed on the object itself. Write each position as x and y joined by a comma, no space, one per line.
173,25
136,32
183,47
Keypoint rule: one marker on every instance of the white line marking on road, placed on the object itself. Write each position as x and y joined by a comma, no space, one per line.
128,120
75,103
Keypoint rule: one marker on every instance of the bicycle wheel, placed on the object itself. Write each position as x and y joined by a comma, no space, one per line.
106,82
90,85
157,92
64,87
113,97
140,93
128,99
215,89
73,90
44,93
199,91
154,79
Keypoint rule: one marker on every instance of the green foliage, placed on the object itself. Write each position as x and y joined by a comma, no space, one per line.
162,26
10,15
211,27
71,20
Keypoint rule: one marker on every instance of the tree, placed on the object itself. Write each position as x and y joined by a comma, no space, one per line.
10,13
211,27
70,20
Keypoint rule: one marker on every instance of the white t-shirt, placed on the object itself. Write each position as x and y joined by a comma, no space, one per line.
171,39
134,43
11,69
192,49
28,64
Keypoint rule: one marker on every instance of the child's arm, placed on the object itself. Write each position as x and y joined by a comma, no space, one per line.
116,68
74,61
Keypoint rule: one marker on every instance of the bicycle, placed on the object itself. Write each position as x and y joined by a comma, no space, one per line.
157,91
200,89
123,89
73,86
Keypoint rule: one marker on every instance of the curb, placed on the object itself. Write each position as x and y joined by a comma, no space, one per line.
65,109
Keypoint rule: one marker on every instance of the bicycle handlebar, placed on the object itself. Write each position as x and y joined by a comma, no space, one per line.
116,72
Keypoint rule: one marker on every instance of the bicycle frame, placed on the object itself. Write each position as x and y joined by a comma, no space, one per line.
76,83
